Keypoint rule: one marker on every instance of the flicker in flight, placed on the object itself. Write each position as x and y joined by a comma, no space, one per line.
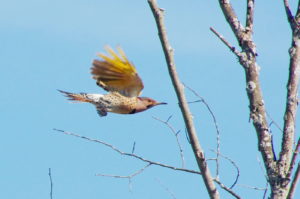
119,77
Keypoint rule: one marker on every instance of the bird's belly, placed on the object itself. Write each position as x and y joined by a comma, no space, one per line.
121,109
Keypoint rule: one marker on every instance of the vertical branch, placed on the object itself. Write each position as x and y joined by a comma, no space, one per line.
168,51
291,98
250,15
248,60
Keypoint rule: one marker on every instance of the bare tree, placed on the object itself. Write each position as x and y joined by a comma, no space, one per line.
282,173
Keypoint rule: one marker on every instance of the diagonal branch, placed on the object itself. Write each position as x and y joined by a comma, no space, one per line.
294,183
288,12
294,158
128,154
168,51
232,48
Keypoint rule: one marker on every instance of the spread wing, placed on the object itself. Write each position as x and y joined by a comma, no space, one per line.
117,74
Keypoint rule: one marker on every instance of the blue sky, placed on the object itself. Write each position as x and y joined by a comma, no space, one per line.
47,45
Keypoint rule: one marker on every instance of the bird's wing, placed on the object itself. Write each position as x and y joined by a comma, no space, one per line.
117,74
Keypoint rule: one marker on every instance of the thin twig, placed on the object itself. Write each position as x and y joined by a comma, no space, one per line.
185,110
229,190
128,154
273,122
252,187
232,48
128,176
234,165
294,183
262,169
216,126
166,188
176,134
133,147
266,190
51,183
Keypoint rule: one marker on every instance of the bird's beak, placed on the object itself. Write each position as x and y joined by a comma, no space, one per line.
159,103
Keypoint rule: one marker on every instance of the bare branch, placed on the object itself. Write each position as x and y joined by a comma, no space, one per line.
128,176
294,158
234,165
216,126
133,147
166,188
250,15
273,122
289,14
256,102
51,183
266,190
229,190
294,183
232,48
176,134
168,51
128,154
252,187
291,98
232,19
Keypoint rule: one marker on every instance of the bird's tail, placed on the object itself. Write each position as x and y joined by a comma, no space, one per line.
82,97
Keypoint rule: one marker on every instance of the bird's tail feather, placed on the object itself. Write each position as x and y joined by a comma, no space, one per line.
82,97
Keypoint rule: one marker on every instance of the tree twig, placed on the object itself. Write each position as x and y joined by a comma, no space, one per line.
166,188
232,48
176,134
216,127
229,190
252,187
128,154
168,51
234,165
51,183
129,177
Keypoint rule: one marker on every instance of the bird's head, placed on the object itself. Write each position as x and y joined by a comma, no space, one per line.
149,103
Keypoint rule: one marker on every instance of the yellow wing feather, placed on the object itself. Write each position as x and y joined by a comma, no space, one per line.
116,74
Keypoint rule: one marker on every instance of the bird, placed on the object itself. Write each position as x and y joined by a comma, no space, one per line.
118,76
